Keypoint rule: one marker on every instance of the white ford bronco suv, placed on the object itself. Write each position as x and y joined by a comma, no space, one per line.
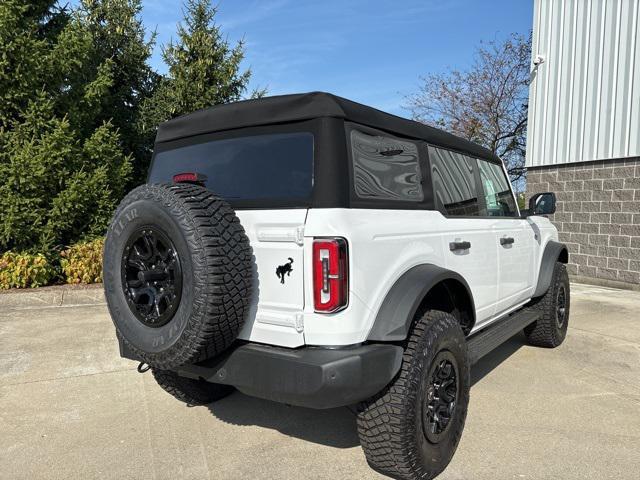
314,251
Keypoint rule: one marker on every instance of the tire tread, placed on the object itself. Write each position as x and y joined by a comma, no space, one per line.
545,332
385,422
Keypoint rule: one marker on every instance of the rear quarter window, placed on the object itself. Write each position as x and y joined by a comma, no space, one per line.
385,168
260,167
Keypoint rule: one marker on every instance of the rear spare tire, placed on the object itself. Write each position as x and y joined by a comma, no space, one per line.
177,274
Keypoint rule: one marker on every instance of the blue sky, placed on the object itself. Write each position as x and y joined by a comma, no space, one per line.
370,51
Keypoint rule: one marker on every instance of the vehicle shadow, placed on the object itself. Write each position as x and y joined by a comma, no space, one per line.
492,360
335,427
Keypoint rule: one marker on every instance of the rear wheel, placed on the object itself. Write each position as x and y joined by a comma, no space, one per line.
551,329
412,429
190,391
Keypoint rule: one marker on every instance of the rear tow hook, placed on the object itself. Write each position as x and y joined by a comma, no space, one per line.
143,367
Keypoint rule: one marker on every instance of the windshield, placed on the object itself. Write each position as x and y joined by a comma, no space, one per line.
275,166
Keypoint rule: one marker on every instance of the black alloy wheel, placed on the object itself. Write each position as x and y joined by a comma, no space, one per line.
440,396
561,305
151,276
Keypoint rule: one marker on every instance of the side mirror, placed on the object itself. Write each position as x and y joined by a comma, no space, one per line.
542,204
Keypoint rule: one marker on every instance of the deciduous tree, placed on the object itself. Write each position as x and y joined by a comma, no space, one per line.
486,104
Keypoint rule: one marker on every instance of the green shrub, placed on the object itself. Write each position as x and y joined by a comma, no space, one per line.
82,263
22,270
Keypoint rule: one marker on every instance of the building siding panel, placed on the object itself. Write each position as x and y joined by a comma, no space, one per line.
634,87
585,98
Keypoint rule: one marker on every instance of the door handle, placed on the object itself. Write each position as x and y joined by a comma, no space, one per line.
507,241
453,246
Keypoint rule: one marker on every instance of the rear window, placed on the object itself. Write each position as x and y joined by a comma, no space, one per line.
276,166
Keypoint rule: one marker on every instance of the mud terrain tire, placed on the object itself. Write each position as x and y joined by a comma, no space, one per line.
395,427
551,330
178,274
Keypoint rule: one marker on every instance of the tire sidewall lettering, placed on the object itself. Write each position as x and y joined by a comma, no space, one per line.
119,225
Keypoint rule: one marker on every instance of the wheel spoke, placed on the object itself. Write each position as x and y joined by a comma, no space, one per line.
137,263
135,283
137,293
445,370
142,256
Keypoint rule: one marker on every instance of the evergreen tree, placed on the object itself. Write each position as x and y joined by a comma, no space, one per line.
62,166
203,69
117,34
79,105
26,32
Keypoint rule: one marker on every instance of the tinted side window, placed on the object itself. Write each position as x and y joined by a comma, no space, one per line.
454,183
385,168
498,199
277,166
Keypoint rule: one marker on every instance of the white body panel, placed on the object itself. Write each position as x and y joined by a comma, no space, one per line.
477,265
383,245
276,310
515,262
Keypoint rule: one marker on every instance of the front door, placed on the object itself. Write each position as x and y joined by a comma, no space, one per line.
512,235
514,238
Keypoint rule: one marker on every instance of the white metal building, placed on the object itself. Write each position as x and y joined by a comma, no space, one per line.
584,130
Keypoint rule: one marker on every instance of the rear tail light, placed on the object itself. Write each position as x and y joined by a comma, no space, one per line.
330,274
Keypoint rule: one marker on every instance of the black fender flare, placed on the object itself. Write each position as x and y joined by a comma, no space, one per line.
553,252
395,316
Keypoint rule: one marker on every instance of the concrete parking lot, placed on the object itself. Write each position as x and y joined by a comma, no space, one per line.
70,408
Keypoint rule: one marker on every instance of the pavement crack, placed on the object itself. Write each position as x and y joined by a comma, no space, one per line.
68,377
7,313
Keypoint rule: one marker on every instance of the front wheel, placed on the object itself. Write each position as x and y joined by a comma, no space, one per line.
551,329
412,429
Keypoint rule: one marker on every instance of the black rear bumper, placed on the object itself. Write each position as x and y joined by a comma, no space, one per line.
311,377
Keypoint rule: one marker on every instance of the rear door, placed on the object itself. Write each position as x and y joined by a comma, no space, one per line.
468,236
267,176
276,237
513,235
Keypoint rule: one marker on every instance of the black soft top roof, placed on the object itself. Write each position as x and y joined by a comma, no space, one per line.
306,106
